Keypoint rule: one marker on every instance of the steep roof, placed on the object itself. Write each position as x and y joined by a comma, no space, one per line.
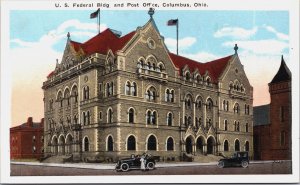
283,74
102,42
261,115
214,68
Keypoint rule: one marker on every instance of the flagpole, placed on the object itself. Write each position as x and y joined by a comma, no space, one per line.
177,33
98,20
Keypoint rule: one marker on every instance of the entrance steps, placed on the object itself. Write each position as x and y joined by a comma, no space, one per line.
58,159
206,158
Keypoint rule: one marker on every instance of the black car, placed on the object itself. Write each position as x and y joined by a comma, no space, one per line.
238,159
135,163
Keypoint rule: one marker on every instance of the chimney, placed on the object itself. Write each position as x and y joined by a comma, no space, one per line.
29,122
42,122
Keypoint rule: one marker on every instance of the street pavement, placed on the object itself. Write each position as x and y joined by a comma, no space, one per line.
177,168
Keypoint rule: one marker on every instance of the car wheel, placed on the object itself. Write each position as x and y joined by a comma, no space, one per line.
124,167
150,165
221,164
245,164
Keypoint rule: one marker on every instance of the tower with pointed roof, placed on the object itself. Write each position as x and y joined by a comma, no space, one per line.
273,122
113,96
280,113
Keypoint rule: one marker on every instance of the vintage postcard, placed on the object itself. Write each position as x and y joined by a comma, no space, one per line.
150,91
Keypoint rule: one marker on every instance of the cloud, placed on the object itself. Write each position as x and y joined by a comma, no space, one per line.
33,61
235,32
279,35
201,56
269,46
183,43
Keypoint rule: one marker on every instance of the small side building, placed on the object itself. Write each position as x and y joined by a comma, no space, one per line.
273,122
26,140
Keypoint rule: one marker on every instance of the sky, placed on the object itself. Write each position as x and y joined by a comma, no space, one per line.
38,38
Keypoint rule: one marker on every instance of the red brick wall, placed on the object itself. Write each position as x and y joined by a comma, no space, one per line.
280,99
22,142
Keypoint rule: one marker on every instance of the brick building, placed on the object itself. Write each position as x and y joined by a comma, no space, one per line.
114,95
273,123
26,140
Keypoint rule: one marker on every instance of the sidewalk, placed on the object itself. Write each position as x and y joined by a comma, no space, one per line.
111,166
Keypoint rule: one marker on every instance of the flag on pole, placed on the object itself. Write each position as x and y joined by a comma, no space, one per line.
172,22
94,14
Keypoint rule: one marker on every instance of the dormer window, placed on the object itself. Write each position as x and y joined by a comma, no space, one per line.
187,76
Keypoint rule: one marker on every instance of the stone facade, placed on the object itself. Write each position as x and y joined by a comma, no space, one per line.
114,96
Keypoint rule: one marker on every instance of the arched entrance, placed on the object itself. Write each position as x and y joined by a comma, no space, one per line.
61,143
69,144
189,145
54,145
210,145
199,145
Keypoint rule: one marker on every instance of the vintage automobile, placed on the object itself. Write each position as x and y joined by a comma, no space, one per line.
238,159
135,163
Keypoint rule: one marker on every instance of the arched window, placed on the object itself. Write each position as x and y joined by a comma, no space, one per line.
108,89
88,117
227,106
247,127
225,125
188,102
127,88
199,104
133,89
237,145
86,144
170,144
226,146
198,79
67,97
109,116
187,76
148,117
154,117
208,81
151,94
110,144
86,93
209,104
247,146
235,126
131,143
84,118
170,119
167,95
131,115
160,67
172,96
75,94
151,143
236,108
60,99
185,120
238,126
224,105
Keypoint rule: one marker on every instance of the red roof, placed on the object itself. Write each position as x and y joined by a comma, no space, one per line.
214,68
50,74
102,42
